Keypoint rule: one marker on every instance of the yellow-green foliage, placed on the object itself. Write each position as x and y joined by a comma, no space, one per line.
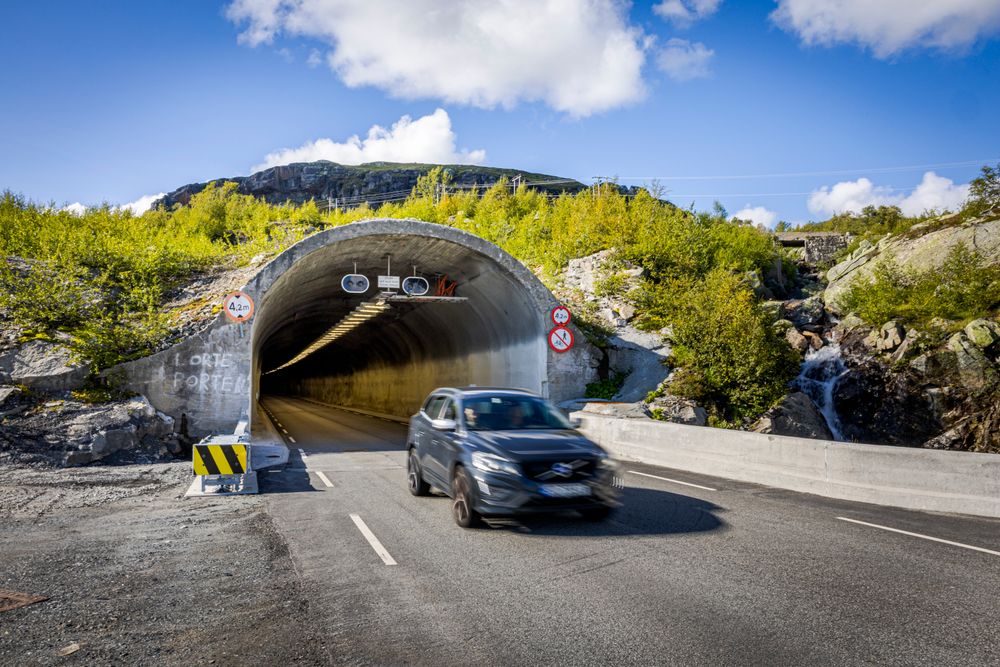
113,269
731,360
964,287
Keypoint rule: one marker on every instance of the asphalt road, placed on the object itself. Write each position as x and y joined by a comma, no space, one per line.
728,574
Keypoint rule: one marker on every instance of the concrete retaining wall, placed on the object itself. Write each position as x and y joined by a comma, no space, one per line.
921,479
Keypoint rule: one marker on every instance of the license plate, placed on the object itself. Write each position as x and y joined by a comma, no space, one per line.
565,490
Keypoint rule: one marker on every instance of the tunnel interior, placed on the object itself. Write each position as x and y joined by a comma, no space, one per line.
491,334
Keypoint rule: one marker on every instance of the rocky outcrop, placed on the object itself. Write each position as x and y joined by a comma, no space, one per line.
100,432
43,366
603,283
676,409
917,393
349,185
797,416
918,253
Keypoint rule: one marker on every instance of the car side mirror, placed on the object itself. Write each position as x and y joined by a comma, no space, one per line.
444,424
575,422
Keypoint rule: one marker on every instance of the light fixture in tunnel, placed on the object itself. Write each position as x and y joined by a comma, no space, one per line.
364,312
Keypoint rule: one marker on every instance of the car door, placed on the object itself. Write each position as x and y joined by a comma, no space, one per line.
426,447
445,444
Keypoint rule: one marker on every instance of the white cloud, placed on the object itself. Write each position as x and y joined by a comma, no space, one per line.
934,193
682,60
140,205
315,59
426,139
577,57
76,208
683,13
758,215
890,26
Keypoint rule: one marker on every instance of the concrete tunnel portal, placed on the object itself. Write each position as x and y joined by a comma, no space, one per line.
494,334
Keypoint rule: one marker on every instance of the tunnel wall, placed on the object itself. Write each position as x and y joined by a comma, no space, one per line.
211,379
380,387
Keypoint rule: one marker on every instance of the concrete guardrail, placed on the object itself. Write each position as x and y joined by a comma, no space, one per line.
921,479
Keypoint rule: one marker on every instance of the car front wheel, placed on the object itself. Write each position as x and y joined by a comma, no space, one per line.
461,500
414,478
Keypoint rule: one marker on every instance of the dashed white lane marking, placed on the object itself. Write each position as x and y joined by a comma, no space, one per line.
292,439
326,480
284,431
372,540
674,481
302,453
923,537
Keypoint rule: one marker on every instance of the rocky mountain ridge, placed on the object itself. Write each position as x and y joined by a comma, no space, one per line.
374,181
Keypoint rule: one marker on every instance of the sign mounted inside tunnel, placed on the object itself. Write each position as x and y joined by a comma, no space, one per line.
238,306
388,282
355,283
560,339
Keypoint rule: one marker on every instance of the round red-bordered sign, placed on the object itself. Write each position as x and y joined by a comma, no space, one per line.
560,339
560,316
238,306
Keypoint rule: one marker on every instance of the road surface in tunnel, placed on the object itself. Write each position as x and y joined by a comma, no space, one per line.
692,570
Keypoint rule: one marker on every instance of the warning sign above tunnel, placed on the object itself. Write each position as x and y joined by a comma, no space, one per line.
238,306
560,339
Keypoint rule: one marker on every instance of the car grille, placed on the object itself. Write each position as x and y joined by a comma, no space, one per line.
537,470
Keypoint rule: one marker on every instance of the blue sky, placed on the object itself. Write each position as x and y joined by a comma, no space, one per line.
112,101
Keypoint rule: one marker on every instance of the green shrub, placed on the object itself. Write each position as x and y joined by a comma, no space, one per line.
730,360
606,388
964,287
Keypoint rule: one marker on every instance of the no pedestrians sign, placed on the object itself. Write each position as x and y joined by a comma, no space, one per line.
561,339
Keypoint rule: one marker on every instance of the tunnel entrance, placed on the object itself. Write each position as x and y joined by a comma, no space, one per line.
490,331
494,333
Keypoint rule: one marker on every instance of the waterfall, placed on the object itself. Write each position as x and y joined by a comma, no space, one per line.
821,370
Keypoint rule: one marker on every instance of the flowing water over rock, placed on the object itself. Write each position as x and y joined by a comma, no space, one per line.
821,370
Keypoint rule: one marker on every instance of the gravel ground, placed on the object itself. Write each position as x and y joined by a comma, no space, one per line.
137,574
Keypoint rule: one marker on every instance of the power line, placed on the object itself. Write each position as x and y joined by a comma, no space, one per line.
841,172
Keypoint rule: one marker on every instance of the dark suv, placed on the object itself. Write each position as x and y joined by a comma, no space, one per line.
500,452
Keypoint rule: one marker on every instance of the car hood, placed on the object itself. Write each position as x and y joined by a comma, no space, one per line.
535,445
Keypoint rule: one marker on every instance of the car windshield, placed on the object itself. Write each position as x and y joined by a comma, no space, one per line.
511,413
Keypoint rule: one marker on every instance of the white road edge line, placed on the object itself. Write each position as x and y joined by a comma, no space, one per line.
326,480
372,540
675,481
923,537
302,453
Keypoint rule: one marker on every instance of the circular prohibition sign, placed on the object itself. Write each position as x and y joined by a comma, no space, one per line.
560,316
560,339
238,306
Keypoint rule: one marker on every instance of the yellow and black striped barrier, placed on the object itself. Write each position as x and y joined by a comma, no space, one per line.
222,466
220,459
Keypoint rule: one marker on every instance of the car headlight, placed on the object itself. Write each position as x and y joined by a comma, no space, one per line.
494,463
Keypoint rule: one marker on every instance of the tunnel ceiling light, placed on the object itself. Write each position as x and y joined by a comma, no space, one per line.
364,312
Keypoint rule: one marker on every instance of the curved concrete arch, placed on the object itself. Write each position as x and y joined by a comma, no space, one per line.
497,336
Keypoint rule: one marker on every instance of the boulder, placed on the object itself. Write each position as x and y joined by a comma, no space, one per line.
8,395
109,428
814,339
43,366
798,342
890,336
974,368
678,410
983,333
797,416
804,312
